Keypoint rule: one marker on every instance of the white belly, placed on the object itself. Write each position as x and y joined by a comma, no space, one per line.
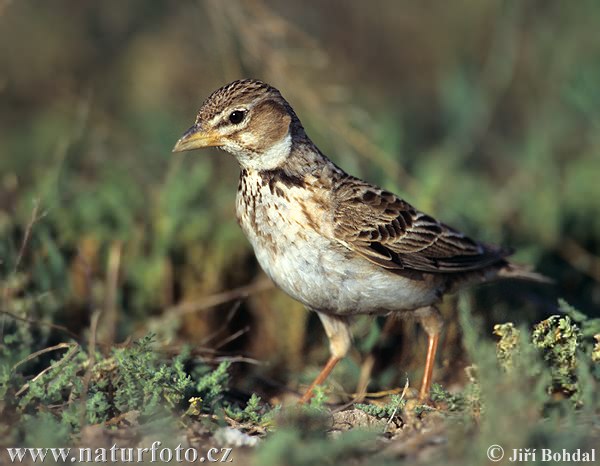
318,271
324,279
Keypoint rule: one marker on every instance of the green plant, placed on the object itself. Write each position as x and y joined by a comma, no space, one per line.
134,378
143,382
596,350
507,348
558,339
255,412
453,401
319,398
211,385
59,385
389,410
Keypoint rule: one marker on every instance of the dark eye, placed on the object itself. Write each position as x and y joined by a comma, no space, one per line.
237,116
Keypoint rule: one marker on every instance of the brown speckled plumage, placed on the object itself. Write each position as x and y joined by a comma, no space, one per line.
336,243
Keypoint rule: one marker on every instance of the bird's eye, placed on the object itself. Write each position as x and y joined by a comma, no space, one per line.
237,116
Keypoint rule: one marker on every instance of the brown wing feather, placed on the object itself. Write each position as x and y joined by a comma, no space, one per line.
390,232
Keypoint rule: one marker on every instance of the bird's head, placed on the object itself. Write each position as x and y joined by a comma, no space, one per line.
249,119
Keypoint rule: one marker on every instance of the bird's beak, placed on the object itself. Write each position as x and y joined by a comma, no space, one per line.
196,138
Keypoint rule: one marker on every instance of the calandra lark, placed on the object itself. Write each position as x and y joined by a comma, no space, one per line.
338,244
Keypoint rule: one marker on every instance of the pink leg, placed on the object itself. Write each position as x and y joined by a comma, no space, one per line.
338,332
331,363
432,324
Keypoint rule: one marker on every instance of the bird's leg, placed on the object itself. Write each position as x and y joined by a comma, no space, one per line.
331,363
340,339
431,320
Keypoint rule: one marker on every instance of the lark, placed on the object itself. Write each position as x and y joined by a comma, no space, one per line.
339,245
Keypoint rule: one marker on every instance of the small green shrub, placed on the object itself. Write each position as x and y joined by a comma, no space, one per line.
395,405
319,398
508,346
255,412
211,385
558,338
143,382
453,401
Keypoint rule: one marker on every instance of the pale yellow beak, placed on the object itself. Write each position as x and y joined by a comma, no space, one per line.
196,138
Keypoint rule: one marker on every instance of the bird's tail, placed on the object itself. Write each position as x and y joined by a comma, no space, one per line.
522,272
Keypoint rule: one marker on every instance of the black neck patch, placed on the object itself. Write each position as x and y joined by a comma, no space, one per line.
279,175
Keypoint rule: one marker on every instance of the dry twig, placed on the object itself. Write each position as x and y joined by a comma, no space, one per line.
91,362
74,348
41,323
207,302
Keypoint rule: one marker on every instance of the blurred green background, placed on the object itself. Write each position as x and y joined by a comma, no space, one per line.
485,114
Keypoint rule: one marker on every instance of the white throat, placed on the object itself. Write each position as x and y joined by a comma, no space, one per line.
273,157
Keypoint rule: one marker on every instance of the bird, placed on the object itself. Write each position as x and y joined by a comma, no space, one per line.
340,245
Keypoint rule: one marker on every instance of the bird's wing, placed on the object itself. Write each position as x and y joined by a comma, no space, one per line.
391,233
